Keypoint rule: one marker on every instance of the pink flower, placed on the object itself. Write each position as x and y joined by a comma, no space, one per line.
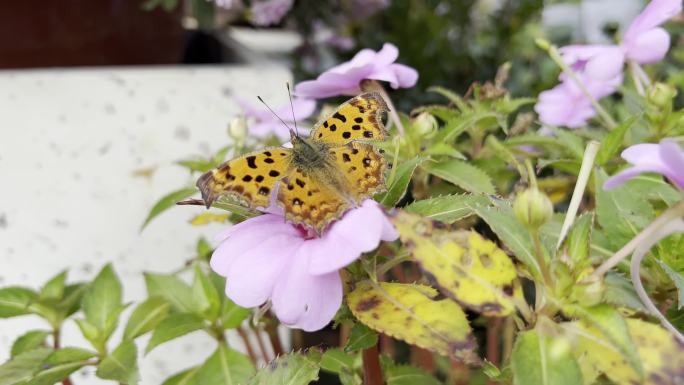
269,12
566,104
666,158
266,258
644,42
267,124
345,79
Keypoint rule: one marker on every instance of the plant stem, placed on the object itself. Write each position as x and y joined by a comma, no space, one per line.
372,374
374,85
56,342
673,212
248,345
272,330
262,345
556,57
493,335
582,179
636,79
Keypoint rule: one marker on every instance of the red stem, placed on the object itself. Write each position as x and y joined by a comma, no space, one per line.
372,374
272,330
262,345
248,344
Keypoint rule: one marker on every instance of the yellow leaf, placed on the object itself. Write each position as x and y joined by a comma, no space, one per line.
408,312
661,355
466,267
208,217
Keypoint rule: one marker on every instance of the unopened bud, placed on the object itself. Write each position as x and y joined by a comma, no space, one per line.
661,95
238,129
532,208
543,44
425,124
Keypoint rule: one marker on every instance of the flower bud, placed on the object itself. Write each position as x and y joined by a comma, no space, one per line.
661,95
238,129
532,208
424,124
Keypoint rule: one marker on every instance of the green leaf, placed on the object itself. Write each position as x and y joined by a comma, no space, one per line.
677,279
21,368
121,365
28,341
463,175
503,153
174,326
535,360
14,301
206,298
654,188
203,249
579,240
397,187
409,375
186,377
171,288
71,301
574,144
453,97
146,317
167,201
52,374
612,142
408,312
91,333
290,369
69,354
447,208
54,288
102,302
335,360
620,291
232,315
513,234
225,367
361,337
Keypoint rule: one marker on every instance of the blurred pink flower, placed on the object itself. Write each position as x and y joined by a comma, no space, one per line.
666,158
345,78
644,42
269,12
266,258
566,104
267,124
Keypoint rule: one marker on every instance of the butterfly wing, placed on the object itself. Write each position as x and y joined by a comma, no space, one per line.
249,178
363,167
360,118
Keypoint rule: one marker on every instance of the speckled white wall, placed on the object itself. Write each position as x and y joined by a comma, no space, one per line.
70,144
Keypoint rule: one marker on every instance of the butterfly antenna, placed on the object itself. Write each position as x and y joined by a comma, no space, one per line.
289,94
292,133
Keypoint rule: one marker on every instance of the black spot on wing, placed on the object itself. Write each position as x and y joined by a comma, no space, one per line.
346,134
273,173
251,161
339,117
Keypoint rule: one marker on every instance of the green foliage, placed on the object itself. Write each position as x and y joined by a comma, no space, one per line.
539,359
174,326
290,369
146,316
361,337
121,364
167,201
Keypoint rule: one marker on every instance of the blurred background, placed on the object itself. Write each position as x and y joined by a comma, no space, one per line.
100,98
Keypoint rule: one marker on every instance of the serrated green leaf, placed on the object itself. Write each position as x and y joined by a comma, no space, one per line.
335,360
121,365
167,201
172,289
30,340
15,301
453,97
513,234
146,317
612,142
290,369
619,291
677,279
206,298
225,367
408,312
535,361
102,302
447,208
409,375
174,326
360,337
397,187
443,149
186,377
54,288
21,368
463,175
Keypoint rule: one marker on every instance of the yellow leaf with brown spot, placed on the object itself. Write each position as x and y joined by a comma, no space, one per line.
408,312
661,355
208,217
465,266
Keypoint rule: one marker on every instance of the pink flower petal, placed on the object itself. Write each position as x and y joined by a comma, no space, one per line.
649,47
607,64
656,13
666,158
673,157
387,55
306,301
408,77
252,277
640,153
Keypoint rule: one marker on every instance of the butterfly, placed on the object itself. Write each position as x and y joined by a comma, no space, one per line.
320,177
